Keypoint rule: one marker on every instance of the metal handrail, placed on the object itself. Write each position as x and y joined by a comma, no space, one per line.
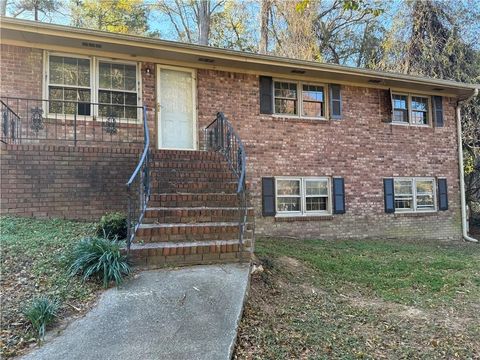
10,124
221,136
141,174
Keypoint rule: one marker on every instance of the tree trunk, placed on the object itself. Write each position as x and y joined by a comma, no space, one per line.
265,17
3,7
203,21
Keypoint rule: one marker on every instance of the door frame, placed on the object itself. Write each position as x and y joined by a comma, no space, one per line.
158,106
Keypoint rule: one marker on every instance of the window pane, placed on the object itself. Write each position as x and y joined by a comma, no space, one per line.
130,84
419,118
288,187
316,203
424,187
419,103
400,102
283,106
400,116
131,71
55,93
316,187
403,203
286,90
312,92
104,97
312,97
118,78
403,187
70,68
288,204
56,70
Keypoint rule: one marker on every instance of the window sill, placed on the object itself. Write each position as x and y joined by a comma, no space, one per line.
292,218
409,125
415,213
300,119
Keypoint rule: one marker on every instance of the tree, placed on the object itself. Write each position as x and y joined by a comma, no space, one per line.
34,7
191,19
120,16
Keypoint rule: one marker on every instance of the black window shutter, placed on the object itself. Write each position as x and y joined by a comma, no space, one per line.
268,196
438,110
266,95
389,195
389,117
335,102
442,195
338,196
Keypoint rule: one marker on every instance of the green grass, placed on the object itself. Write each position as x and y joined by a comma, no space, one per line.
34,262
362,300
407,273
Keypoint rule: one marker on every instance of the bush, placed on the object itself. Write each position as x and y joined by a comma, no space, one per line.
101,258
113,226
41,312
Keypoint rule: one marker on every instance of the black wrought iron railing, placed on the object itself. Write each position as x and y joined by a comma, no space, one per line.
10,124
74,122
138,187
221,136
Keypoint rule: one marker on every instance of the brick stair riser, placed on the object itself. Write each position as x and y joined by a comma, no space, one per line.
186,156
181,234
186,165
193,215
193,187
196,200
188,175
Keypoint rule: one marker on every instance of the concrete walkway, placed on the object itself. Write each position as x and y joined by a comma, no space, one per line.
188,313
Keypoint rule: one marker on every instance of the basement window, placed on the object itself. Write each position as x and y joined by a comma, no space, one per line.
302,196
414,194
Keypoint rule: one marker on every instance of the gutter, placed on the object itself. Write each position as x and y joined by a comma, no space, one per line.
460,165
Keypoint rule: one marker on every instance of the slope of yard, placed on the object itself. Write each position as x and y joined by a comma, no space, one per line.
33,262
363,300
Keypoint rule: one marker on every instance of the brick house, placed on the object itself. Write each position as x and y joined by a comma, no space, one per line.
328,151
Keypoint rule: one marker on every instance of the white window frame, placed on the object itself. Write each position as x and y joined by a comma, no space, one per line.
138,83
415,209
46,84
300,99
303,208
409,110
94,85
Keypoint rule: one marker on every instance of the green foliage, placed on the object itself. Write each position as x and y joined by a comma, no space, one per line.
113,226
101,258
41,312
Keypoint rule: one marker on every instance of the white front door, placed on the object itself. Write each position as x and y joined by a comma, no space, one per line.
176,115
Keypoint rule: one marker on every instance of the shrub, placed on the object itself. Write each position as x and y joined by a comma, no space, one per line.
101,258
113,226
41,312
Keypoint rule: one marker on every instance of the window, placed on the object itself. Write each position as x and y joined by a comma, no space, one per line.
400,108
299,99
117,89
410,109
414,194
285,98
419,110
303,196
69,81
313,101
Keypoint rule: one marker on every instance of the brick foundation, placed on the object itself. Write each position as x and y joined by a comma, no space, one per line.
64,182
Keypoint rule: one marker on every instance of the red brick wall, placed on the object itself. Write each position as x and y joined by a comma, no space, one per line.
361,148
62,181
21,71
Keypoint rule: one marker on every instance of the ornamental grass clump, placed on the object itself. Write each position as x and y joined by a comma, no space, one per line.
100,258
41,312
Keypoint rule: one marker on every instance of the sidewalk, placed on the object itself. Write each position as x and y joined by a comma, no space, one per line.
186,313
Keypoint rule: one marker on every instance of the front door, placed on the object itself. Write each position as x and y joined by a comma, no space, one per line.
176,108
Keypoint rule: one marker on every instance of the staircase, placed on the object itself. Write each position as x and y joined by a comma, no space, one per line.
193,213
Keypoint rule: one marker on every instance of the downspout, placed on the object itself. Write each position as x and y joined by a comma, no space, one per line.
462,173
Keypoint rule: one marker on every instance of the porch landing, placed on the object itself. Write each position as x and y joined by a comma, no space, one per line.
187,313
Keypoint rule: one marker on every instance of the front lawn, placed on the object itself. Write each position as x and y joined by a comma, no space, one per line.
34,262
363,299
